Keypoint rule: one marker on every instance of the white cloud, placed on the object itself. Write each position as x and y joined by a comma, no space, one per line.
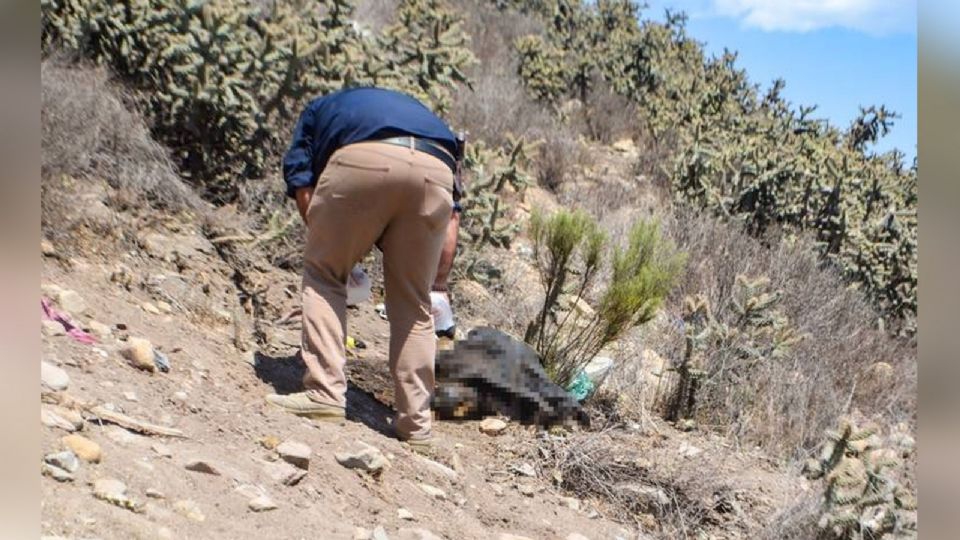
871,16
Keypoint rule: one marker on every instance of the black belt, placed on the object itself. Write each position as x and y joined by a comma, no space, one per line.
426,146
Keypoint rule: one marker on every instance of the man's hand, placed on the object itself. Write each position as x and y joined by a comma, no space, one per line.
303,196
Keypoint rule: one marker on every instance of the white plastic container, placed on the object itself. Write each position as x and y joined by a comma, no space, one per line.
442,312
598,368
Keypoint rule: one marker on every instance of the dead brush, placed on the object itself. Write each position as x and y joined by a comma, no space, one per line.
599,467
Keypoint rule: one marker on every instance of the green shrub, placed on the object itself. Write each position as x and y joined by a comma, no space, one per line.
569,253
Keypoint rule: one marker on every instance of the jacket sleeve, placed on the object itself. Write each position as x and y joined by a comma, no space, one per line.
298,161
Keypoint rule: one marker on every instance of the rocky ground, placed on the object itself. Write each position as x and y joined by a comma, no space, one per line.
132,451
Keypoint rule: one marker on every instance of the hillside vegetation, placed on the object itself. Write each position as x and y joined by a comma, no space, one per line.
761,263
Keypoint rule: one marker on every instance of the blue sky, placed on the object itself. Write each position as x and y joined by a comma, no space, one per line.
837,54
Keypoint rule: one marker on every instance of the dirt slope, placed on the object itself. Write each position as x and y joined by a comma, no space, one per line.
214,395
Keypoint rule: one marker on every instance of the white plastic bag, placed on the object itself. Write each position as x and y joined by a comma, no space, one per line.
358,286
442,312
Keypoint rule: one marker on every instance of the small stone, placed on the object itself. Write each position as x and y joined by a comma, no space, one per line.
202,466
285,473
47,249
62,418
149,307
576,536
109,488
100,330
688,450
492,426
71,302
52,328
139,353
262,504
525,469
65,460
164,307
416,534
154,494
527,490
162,450
130,396
180,396
360,533
295,453
269,442
53,377
369,459
83,447
497,490
56,473
434,492
122,437
403,513
571,503
379,534
190,509
107,384
687,424
439,468
508,536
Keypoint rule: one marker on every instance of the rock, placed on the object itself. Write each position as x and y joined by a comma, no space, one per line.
52,328
269,442
122,437
83,447
53,377
649,496
403,513
65,460
687,424
162,450
284,473
492,426
139,353
100,330
416,534
250,491
202,466
109,489
154,494
688,450
295,453
524,469
130,396
62,418
164,307
571,503
56,473
434,492
360,533
150,308
369,460
438,468
379,534
190,509
262,504
180,396
46,248
526,489
625,146
71,302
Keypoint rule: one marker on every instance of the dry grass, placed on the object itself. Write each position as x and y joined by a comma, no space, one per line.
782,405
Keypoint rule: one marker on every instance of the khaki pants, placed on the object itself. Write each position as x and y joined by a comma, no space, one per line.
401,200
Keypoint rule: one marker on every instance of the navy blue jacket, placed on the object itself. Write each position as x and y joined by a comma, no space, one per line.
355,115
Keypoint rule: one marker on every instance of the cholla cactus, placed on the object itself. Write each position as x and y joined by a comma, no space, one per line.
862,498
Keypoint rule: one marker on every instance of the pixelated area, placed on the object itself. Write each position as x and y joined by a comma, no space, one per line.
491,372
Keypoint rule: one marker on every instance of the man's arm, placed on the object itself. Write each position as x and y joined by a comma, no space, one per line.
303,196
